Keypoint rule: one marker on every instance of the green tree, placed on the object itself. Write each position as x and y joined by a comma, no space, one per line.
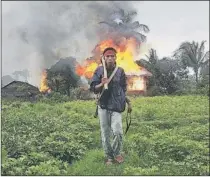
167,73
61,77
170,70
193,55
151,65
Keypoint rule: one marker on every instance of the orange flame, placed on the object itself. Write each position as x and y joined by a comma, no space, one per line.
126,53
127,50
87,68
43,86
136,83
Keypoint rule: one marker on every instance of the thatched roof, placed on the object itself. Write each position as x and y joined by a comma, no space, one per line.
19,89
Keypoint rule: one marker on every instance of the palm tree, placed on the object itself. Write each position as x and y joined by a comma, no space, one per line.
164,72
193,55
121,22
151,64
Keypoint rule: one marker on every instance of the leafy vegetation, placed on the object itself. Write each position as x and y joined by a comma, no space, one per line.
171,75
61,76
168,136
193,55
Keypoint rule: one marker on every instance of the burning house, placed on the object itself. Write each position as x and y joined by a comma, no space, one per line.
122,35
126,53
120,32
137,81
137,76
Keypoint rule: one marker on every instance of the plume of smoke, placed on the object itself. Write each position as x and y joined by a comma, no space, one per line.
36,34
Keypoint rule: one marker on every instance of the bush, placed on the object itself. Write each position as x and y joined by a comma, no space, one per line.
131,171
55,97
66,146
168,136
82,94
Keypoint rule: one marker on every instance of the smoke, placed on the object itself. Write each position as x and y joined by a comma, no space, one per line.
36,34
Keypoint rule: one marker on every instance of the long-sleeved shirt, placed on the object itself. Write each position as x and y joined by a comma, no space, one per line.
114,98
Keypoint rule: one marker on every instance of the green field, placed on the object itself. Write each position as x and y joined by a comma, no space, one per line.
168,136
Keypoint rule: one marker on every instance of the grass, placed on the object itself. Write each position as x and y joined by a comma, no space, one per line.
168,136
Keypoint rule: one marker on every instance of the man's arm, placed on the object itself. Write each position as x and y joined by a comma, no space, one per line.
97,82
127,100
129,104
123,81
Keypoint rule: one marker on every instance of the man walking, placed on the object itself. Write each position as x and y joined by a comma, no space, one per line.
111,104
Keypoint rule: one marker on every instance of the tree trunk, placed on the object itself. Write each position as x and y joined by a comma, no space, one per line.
196,76
57,85
68,89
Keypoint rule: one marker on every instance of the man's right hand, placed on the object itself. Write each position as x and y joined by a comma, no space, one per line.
104,81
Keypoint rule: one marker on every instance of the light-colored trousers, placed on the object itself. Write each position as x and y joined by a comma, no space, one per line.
111,124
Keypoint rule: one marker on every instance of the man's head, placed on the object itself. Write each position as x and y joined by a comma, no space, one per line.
110,56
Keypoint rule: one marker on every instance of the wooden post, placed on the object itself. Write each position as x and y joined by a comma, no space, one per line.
105,72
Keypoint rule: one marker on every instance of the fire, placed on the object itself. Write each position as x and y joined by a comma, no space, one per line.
43,86
127,50
136,83
126,53
87,69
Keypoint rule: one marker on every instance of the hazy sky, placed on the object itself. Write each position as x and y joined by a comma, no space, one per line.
174,22
170,23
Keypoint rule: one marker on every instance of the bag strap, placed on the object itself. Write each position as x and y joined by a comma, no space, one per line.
112,75
109,80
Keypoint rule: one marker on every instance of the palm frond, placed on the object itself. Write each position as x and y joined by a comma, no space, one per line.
205,58
184,45
188,50
147,56
113,25
202,46
201,51
132,13
146,64
153,58
193,53
140,37
126,27
193,47
144,28
135,25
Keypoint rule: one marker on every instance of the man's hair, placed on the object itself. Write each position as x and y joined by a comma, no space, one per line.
109,48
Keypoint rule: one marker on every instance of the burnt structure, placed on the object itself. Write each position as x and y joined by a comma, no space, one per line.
18,89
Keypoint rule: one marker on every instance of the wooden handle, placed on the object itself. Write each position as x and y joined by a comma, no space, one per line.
105,72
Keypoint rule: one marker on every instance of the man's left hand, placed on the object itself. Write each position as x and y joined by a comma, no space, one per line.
129,108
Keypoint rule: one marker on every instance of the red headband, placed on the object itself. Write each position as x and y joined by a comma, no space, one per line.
109,52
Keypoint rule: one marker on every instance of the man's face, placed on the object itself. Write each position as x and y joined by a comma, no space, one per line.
110,58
